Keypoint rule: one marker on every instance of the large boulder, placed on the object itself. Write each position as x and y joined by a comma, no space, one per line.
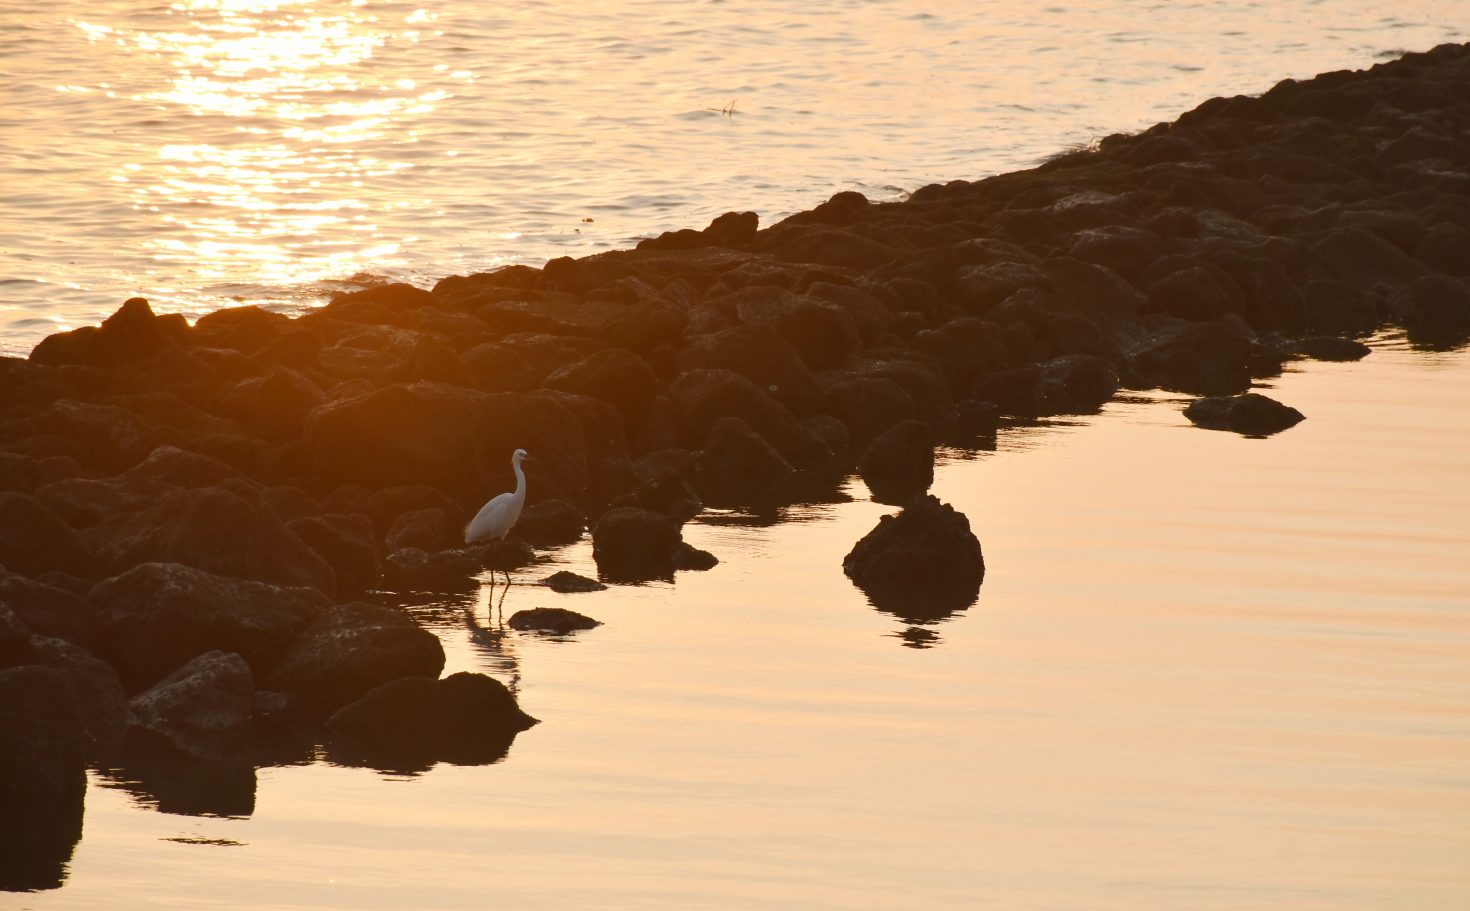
215,529
412,722
347,543
94,686
616,376
703,397
34,541
1251,414
46,609
201,709
760,354
737,466
157,616
43,745
923,563
349,650
132,333
1202,358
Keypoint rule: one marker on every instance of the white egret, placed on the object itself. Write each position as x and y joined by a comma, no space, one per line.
496,518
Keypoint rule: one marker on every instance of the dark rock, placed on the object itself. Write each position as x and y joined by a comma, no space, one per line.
1209,358
1252,414
203,708
212,529
43,743
635,545
737,466
1436,311
1076,384
409,723
94,686
157,616
132,333
33,540
868,405
350,649
666,491
551,620
823,334
616,376
760,354
899,463
922,564
703,397
423,529
975,418
19,473
568,582
346,543
452,570
1331,348
689,557
276,404
550,523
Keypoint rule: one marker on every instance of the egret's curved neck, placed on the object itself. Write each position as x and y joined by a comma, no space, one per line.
520,480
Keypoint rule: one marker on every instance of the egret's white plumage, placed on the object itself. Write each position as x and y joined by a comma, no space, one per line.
497,517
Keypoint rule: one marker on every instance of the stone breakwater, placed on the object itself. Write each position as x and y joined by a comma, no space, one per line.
190,515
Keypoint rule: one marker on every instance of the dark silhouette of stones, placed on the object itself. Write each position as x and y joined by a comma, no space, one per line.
556,620
132,333
157,616
667,491
424,529
19,473
43,743
1075,384
1202,358
203,708
350,649
213,529
412,722
703,397
868,405
452,570
823,334
569,582
1436,311
276,404
1252,414
760,354
33,540
733,229
635,545
689,557
899,463
551,523
737,466
922,564
246,329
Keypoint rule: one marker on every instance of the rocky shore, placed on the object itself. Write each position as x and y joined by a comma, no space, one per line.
192,518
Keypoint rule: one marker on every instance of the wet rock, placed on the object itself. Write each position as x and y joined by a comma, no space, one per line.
666,491
823,334
157,616
975,418
203,708
1203,358
1251,414
868,405
467,719
922,563
350,649
568,582
415,569
556,620
551,523
1331,348
760,354
214,529
43,743
703,397
423,529
737,466
276,404
1075,384
33,540
635,545
899,463
689,557
19,473
1436,311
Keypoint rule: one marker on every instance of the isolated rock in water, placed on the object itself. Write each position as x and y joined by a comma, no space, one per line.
43,744
635,545
923,563
551,620
1331,348
566,582
203,708
351,649
412,722
1252,414
33,540
154,617
899,463
687,556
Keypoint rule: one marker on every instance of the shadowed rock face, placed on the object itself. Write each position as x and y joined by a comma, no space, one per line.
42,777
1252,414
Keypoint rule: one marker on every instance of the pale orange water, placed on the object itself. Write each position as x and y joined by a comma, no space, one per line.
1204,672
205,153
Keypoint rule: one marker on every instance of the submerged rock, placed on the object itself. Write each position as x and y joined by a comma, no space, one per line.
566,582
923,563
635,545
899,463
1252,414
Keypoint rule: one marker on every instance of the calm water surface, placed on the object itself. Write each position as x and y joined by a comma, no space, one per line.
1204,672
203,153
